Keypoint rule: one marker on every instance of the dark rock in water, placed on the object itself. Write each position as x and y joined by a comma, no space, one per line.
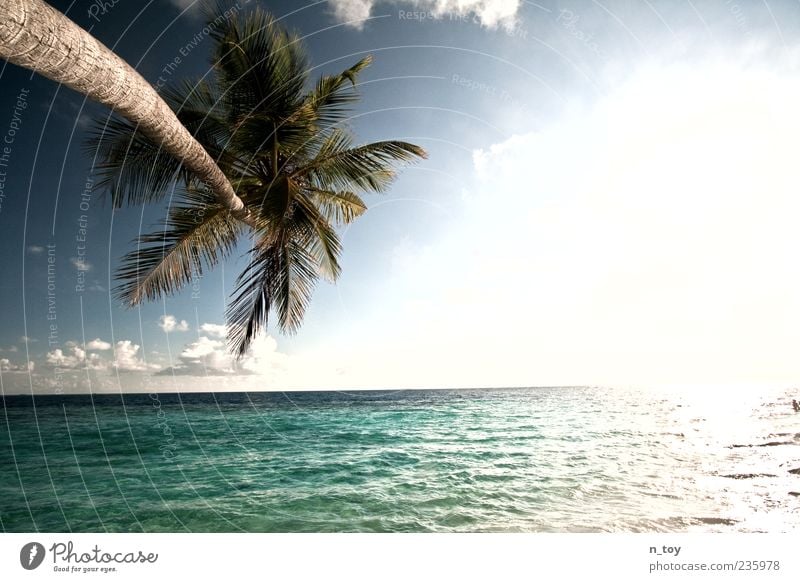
769,444
748,475
795,471
716,520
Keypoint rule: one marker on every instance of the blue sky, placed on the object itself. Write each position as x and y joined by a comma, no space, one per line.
609,199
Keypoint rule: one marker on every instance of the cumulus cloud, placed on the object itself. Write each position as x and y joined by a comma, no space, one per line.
80,264
490,13
98,345
168,323
203,357
210,357
206,356
7,365
352,11
264,359
126,358
214,329
73,357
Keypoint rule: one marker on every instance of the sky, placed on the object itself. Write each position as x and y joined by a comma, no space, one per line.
609,199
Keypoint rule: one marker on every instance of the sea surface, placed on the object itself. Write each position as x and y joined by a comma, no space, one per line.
533,460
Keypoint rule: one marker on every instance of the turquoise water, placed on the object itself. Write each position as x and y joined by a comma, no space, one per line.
545,459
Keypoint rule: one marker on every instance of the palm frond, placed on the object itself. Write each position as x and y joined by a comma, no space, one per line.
333,95
340,207
368,167
281,276
315,233
262,68
283,206
294,285
272,202
197,233
131,167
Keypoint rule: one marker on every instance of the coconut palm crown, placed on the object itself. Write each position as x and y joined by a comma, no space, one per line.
280,140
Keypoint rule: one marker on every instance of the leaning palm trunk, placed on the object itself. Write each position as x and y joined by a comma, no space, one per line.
38,37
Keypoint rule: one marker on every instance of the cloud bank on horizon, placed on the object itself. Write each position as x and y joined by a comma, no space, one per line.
100,366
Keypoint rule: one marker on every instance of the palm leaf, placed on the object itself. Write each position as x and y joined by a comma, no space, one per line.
262,68
281,276
131,167
333,95
315,233
197,232
369,167
340,207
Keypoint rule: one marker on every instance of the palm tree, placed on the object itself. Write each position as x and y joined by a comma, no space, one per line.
36,36
280,140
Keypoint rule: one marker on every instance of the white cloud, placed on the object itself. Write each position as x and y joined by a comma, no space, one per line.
264,359
214,329
126,358
80,264
203,357
352,11
98,344
206,356
26,339
490,13
201,348
650,237
35,249
211,357
168,323
72,358
7,366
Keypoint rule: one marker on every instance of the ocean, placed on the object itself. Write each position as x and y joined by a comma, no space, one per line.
491,460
